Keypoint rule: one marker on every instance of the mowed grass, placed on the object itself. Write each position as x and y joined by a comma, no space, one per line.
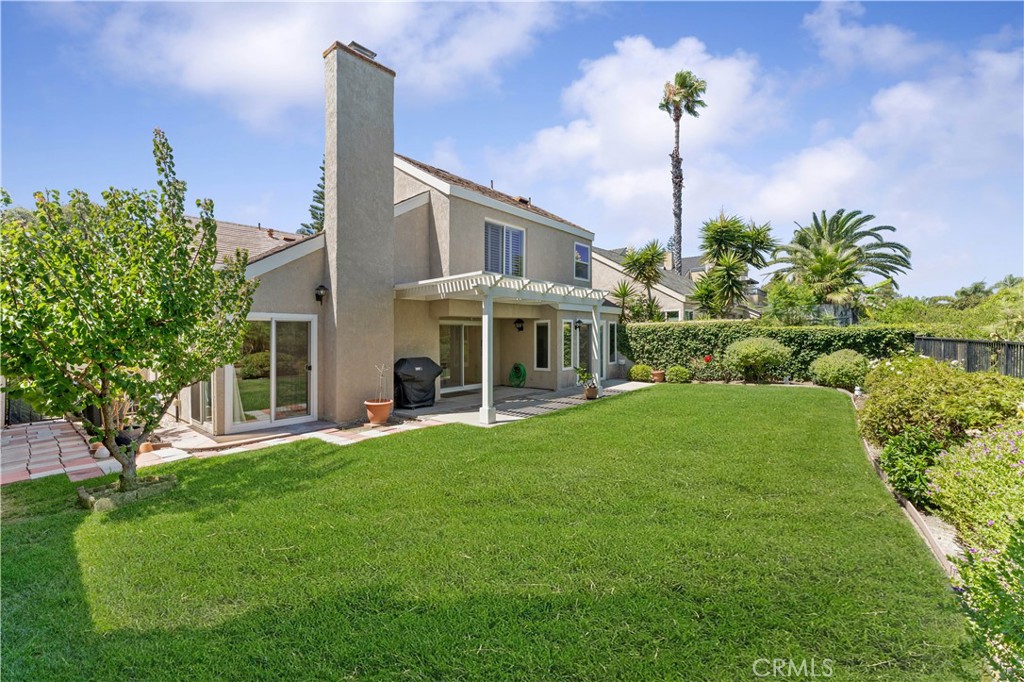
675,533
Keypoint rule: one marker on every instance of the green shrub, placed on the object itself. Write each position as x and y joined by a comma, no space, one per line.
992,587
677,343
709,370
640,372
254,365
979,486
757,359
915,391
677,374
843,369
906,459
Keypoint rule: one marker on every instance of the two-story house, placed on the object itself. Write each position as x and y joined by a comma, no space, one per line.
412,261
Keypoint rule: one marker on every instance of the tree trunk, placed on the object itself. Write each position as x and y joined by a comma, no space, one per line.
125,457
677,198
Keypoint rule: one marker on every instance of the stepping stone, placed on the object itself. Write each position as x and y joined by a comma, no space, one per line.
44,474
85,474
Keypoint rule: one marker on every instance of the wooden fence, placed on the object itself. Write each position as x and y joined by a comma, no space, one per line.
1006,357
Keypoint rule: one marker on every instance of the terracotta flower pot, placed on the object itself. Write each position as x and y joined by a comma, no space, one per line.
145,447
659,376
590,392
378,411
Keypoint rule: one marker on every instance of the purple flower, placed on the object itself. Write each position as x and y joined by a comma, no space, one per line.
991,523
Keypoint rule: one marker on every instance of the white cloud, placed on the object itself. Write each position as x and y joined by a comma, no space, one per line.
445,156
616,147
262,59
939,155
847,43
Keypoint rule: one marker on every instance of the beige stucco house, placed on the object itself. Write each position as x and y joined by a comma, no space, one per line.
413,261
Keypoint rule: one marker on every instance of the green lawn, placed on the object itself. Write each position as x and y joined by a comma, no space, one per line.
676,533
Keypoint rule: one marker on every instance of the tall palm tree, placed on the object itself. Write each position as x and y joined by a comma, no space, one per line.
682,95
833,255
645,266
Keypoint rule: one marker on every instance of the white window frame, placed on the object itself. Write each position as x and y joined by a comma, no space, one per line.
536,325
572,345
612,356
590,261
505,227
229,376
678,317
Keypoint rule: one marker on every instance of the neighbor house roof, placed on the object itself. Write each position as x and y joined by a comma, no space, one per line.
681,284
522,203
258,241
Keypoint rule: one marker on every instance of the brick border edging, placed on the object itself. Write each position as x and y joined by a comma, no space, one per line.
909,510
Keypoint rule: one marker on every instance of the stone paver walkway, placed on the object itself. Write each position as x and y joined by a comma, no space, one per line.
30,451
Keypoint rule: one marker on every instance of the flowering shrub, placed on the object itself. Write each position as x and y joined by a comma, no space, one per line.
992,588
843,369
677,375
703,369
641,373
756,359
905,461
916,391
979,486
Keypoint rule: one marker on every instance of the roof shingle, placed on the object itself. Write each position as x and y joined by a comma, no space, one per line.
453,179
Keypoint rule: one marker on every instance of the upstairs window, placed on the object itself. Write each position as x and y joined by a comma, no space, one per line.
582,254
503,249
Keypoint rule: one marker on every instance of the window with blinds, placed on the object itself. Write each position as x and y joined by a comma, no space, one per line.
503,249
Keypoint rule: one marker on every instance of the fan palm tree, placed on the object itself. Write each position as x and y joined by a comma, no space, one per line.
833,254
681,96
646,267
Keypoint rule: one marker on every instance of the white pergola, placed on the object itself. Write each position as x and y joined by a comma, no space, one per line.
488,288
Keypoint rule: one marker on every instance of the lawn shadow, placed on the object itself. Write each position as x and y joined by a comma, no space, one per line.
210,488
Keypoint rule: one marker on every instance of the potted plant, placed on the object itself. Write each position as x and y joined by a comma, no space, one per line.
586,379
378,411
658,375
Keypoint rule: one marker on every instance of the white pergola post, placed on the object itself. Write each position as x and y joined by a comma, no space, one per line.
595,346
487,412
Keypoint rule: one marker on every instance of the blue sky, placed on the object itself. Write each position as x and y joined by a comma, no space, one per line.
911,111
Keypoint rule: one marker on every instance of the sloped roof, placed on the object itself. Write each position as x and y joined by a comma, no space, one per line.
453,179
681,284
258,241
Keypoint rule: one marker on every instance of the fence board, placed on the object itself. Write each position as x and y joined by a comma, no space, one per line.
974,355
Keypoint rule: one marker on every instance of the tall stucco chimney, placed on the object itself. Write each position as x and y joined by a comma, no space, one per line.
359,229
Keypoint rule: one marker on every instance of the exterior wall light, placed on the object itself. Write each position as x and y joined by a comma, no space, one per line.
519,325
578,324
319,294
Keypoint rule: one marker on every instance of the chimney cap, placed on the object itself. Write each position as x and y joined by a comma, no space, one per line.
523,200
363,50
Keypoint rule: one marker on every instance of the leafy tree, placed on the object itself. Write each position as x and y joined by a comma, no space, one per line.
682,95
730,247
790,304
646,267
834,254
102,304
316,208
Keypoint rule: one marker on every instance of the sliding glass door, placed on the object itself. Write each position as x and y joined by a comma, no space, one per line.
461,356
273,379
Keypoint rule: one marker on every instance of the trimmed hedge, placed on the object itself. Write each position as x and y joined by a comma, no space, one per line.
664,344
843,369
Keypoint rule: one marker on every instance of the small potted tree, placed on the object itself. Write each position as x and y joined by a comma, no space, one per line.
378,411
586,379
